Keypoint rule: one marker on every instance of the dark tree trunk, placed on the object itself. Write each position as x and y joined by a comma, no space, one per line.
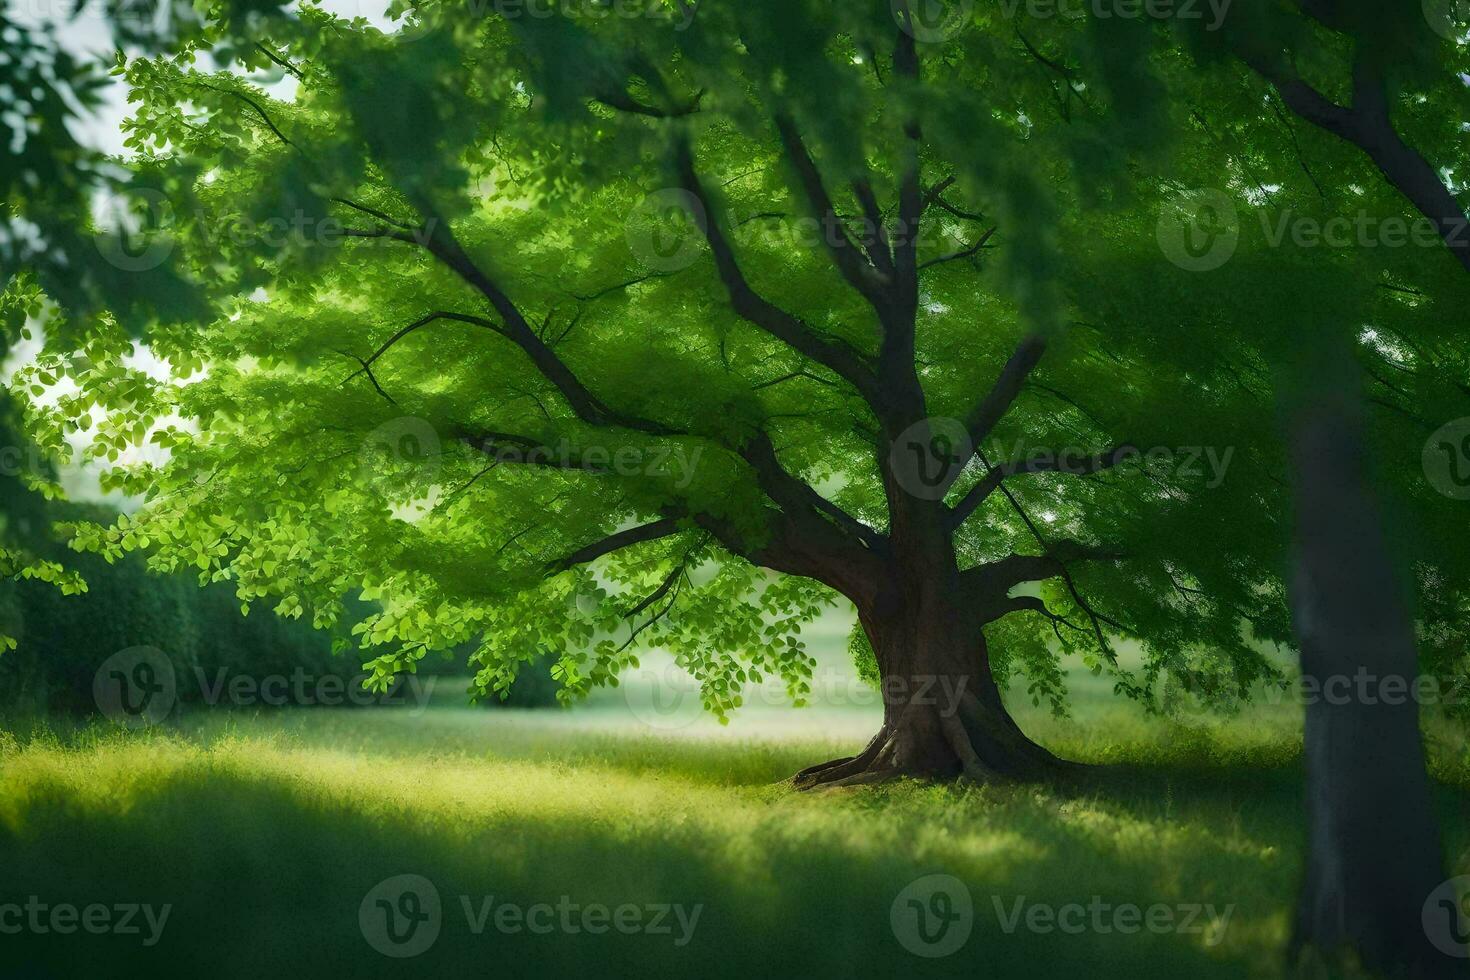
1374,852
943,715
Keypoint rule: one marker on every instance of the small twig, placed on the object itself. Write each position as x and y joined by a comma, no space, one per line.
280,61
368,370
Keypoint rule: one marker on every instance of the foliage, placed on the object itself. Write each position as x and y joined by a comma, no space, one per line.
462,287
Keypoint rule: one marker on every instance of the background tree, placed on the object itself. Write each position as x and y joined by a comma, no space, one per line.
1385,81
51,256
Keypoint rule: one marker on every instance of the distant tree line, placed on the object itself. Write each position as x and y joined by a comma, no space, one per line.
64,639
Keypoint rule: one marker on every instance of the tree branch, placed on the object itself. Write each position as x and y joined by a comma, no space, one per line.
993,407
616,542
1041,464
858,271
1027,603
760,312
1368,126
1066,576
416,325
963,253
506,447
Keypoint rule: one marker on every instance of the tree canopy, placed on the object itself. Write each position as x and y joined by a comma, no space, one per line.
590,333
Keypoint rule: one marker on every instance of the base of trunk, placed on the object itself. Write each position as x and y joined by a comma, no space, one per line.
973,740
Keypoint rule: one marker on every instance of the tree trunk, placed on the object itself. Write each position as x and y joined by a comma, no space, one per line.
1373,851
942,712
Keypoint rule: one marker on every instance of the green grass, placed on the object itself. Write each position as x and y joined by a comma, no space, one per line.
265,832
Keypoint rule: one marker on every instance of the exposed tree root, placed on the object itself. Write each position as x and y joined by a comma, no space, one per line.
972,741
829,773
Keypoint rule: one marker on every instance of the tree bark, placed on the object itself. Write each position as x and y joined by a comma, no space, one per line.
942,713
1373,851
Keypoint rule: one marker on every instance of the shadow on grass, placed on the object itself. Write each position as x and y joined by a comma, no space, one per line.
265,870
266,848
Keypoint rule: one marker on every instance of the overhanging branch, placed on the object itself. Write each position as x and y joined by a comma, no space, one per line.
664,528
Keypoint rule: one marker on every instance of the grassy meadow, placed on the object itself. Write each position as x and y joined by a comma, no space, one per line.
265,831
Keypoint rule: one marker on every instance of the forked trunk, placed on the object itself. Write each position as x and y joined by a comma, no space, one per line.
942,715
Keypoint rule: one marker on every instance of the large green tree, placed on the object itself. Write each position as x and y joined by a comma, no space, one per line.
890,322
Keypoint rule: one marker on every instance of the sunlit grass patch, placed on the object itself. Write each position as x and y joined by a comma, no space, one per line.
266,831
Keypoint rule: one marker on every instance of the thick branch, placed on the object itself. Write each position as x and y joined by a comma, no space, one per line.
1368,126
443,244
1026,603
757,310
858,272
999,577
616,542
897,354
797,497
993,407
